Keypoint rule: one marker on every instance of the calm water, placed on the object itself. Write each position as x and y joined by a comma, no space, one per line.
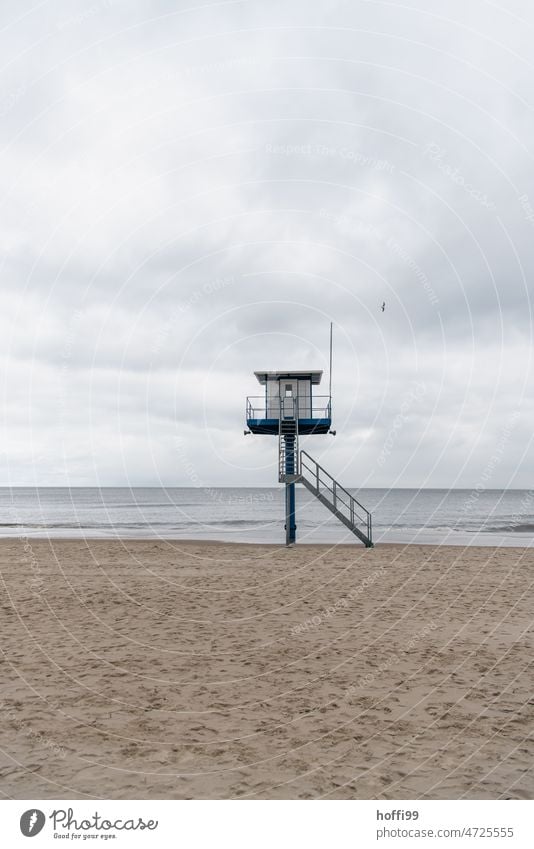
257,515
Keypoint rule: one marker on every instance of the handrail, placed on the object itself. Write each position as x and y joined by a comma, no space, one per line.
328,475
335,488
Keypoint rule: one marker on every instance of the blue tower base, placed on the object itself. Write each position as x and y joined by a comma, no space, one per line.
290,469
291,527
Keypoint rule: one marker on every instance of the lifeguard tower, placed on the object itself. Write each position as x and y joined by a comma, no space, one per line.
288,409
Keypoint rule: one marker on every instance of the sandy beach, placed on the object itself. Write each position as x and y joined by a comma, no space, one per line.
196,670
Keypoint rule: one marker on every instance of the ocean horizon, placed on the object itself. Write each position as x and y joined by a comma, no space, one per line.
256,514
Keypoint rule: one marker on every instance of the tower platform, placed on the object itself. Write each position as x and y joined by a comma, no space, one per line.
289,392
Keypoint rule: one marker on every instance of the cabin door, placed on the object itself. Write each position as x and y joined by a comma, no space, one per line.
289,398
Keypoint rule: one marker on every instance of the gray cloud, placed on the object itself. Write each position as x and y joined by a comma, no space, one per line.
193,193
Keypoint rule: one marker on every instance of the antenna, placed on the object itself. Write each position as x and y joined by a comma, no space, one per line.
330,380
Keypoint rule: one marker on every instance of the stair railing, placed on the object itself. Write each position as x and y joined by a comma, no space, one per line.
340,498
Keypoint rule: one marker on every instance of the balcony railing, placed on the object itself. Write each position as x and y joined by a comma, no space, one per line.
320,407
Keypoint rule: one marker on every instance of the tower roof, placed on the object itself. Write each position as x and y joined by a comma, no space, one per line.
264,376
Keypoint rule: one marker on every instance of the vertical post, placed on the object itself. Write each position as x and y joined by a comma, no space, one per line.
291,527
330,363
330,374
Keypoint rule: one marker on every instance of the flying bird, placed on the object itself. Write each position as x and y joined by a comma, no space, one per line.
383,307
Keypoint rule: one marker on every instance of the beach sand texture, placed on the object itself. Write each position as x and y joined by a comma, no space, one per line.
193,670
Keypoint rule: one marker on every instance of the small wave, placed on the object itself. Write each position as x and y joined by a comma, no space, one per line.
467,528
117,526
237,523
509,529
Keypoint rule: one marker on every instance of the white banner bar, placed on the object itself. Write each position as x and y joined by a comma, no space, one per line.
268,824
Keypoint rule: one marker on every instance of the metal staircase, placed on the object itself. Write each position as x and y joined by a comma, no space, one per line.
299,467
336,498
288,442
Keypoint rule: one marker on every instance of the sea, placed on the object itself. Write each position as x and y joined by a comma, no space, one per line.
436,516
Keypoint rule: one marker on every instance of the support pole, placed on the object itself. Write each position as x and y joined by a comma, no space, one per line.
291,527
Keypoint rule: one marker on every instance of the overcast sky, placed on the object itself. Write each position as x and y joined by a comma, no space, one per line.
194,191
